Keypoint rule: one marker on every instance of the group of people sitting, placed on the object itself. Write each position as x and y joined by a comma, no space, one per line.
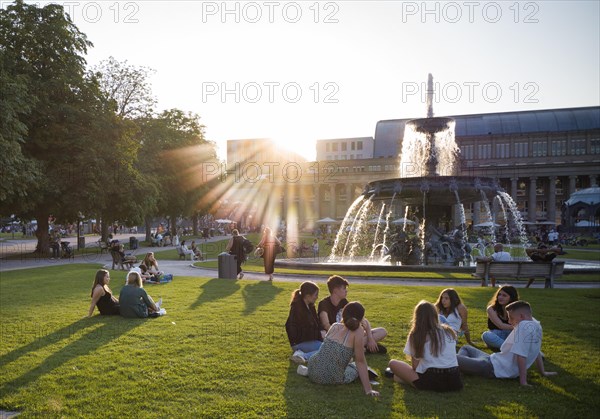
133,300
194,251
329,343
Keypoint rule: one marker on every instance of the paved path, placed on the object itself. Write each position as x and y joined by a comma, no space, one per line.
185,268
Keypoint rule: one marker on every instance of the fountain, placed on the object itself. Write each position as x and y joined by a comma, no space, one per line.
425,204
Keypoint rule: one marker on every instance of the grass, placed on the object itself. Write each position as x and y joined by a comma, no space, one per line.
221,351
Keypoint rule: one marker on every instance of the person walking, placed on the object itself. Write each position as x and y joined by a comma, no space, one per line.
271,246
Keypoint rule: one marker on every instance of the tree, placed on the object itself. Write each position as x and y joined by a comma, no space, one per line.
171,157
127,86
46,51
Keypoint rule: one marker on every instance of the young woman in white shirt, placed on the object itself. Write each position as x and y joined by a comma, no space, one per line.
432,348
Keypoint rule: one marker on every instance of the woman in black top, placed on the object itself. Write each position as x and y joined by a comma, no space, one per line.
102,295
302,325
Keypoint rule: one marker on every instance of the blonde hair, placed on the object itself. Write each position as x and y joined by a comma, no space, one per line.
134,278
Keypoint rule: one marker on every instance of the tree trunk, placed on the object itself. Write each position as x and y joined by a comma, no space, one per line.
103,229
195,224
43,244
148,223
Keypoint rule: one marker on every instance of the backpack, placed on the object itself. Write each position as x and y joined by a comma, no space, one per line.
247,246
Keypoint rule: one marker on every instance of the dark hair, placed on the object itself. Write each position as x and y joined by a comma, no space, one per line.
306,288
336,281
425,323
454,301
99,280
352,315
512,293
518,305
235,232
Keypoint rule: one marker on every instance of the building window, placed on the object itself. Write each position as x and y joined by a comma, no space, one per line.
353,146
521,150
344,146
334,147
558,148
521,189
484,151
595,146
359,145
327,147
577,147
467,152
502,151
540,149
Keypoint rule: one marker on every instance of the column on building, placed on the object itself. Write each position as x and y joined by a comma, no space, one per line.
332,203
514,182
572,184
532,204
349,197
317,195
551,202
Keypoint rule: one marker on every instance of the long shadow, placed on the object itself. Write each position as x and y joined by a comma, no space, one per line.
112,328
258,294
215,289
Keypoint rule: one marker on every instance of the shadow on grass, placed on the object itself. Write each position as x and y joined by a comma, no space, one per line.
258,294
215,289
87,335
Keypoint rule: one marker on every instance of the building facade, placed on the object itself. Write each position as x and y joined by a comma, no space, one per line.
539,157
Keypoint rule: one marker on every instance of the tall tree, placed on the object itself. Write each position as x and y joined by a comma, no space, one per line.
46,50
172,156
127,86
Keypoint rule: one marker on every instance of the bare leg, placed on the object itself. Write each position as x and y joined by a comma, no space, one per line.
403,373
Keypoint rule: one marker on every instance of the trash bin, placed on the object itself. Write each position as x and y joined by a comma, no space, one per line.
227,266
133,243
80,243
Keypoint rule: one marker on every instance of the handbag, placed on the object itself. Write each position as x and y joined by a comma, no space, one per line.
279,248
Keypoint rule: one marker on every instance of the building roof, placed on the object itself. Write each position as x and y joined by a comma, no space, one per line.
506,123
589,196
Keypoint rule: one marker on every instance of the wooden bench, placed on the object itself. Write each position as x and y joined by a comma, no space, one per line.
123,264
183,255
519,270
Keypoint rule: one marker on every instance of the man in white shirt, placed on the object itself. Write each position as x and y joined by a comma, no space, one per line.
518,352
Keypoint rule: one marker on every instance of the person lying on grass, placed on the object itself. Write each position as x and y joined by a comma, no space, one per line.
518,352
133,299
330,309
432,348
454,313
344,341
102,295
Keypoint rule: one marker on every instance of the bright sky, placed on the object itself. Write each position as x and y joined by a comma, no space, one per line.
301,71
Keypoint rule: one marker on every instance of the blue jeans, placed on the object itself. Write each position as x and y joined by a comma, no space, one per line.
475,362
495,338
309,348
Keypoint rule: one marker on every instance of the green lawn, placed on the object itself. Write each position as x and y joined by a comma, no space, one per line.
221,351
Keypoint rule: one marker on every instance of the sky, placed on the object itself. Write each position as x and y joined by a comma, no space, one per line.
301,71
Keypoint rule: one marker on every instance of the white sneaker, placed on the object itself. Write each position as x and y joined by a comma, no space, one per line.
302,370
159,303
298,357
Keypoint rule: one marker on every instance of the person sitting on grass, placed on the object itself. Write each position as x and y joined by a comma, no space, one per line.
498,323
134,301
518,352
102,295
152,264
453,312
147,276
344,341
302,325
432,348
330,309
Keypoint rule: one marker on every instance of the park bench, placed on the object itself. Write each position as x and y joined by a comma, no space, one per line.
103,246
183,255
519,270
120,262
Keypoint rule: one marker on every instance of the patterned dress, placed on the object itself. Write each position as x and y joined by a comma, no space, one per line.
331,364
